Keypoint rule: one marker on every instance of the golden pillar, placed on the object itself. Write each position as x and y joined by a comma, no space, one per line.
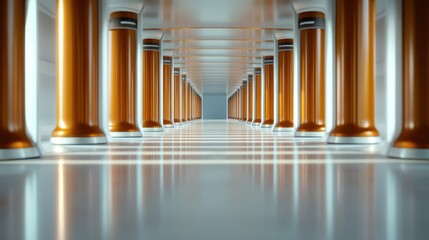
200,107
77,73
258,97
355,61
151,98
229,107
413,140
238,109
188,102
194,105
14,141
244,102
285,86
232,106
250,98
239,103
312,79
122,90
167,68
177,99
269,92
236,105
184,98
197,113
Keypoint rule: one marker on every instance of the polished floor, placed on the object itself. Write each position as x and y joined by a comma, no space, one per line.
214,180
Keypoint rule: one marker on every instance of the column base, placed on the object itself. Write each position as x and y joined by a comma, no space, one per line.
408,153
353,140
19,153
158,129
256,124
310,134
178,124
125,134
78,140
280,129
169,126
266,125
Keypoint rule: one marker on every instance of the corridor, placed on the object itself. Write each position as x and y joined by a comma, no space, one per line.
223,120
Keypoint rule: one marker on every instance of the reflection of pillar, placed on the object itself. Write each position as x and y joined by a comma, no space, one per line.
177,99
151,100
413,141
67,216
244,102
122,90
355,42
286,86
312,79
250,99
258,97
183,98
14,142
168,120
269,92
77,73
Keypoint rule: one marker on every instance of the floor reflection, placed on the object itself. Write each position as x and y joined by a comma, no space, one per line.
263,197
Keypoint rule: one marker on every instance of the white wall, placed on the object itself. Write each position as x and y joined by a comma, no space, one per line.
46,78
380,79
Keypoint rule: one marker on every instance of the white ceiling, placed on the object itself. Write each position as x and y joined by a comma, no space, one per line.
218,42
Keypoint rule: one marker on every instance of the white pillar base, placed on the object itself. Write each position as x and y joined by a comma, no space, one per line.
169,126
409,153
266,125
126,134
19,153
353,140
310,134
158,129
78,140
277,129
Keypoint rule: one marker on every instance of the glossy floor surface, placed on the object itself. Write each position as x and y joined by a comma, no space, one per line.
214,180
